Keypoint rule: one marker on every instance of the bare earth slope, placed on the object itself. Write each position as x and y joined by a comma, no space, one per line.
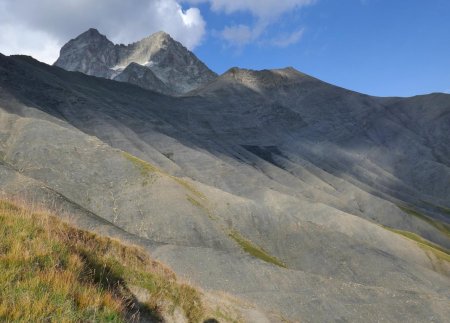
271,185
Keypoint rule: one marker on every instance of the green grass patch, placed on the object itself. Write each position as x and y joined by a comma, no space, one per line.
148,171
52,272
144,166
167,288
440,253
194,202
420,239
8,206
189,187
444,228
200,205
225,317
254,250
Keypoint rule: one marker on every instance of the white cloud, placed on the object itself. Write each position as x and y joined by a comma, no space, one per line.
17,39
40,28
266,13
238,34
259,8
288,40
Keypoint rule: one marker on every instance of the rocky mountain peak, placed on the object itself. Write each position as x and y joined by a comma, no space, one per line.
263,76
91,33
161,36
159,39
169,61
82,54
91,38
241,79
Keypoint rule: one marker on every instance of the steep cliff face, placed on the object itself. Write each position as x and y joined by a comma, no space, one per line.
144,77
173,65
90,53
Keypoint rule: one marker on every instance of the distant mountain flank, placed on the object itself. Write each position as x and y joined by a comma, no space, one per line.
157,62
313,202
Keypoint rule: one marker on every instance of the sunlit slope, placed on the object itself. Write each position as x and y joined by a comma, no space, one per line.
277,191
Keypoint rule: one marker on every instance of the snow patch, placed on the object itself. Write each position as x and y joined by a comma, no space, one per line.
118,68
149,63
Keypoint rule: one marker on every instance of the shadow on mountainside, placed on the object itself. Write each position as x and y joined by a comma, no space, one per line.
363,140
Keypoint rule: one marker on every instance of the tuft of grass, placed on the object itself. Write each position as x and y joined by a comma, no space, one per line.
189,187
441,255
50,271
148,171
220,314
194,202
254,250
200,205
441,252
444,228
144,166
8,206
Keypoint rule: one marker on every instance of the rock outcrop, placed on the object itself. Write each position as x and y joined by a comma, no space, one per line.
158,55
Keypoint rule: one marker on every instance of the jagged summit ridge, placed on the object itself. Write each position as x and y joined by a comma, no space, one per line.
173,65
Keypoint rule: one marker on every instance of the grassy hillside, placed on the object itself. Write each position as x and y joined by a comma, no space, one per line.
53,272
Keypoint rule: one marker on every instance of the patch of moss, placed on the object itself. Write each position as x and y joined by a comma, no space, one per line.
444,228
147,170
254,250
200,205
419,239
189,187
144,166
441,255
194,202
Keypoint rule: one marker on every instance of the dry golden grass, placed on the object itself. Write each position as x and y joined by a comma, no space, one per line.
50,271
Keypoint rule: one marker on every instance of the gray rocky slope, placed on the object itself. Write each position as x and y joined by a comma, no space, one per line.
157,62
315,175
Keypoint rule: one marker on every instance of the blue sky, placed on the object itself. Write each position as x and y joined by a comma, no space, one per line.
378,47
